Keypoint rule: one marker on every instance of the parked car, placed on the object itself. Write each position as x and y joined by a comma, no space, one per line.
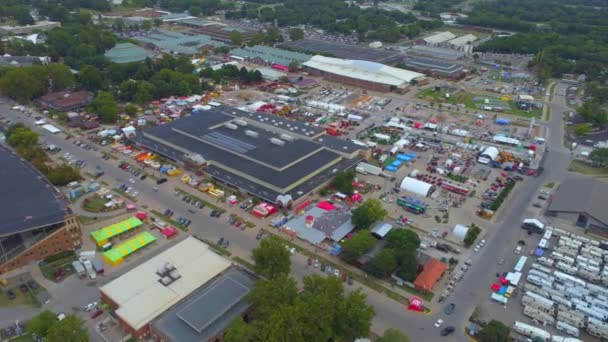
90,306
518,250
449,309
161,181
438,323
96,314
447,330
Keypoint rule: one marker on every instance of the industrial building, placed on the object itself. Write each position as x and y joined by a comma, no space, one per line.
362,74
434,52
345,51
219,31
439,38
581,201
186,293
463,43
37,221
176,42
447,69
268,55
63,101
257,153
325,221
127,53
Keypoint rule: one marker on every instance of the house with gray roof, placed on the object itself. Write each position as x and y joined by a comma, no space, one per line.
581,201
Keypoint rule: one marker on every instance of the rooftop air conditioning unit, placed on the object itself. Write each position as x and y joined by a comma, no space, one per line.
252,134
231,126
277,142
240,122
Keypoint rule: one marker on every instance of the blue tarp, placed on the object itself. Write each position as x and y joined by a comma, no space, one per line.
503,290
397,163
539,252
413,155
502,121
391,168
401,156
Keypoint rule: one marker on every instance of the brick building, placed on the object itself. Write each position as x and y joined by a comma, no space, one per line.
37,221
64,101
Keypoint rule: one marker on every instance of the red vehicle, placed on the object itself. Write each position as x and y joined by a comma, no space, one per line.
96,313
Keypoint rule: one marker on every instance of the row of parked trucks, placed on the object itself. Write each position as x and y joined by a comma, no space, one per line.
87,265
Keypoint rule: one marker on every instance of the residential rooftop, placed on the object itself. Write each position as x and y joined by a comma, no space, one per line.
30,201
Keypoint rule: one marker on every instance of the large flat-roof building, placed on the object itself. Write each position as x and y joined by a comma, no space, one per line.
434,67
177,42
220,32
188,291
362,74
439,38
261,154
267,54
345,51
581,201
37,221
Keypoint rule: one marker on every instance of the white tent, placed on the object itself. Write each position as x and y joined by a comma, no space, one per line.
490,152
418,187
460,231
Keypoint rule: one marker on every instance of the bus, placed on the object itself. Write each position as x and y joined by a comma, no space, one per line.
411,204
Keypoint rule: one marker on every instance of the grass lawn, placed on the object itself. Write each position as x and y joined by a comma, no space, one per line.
21,299
86,220
580,167
22,338
94,204
48,269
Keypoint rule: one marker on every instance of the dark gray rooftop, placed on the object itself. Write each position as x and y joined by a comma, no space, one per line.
291,126
27,199
346,51
337,144
582,195
445,67
247,149
208,310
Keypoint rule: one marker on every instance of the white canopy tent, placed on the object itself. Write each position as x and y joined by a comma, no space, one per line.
416,186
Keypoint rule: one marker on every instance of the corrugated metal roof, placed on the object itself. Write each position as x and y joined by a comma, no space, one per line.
141,297
178,42
363,70
271,55
439,37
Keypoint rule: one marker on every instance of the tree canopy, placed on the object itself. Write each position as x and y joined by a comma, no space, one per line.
356,246
104,105
281,313
271,258
368,213
343,181
296,33
600,156
47,326
494,331
26,83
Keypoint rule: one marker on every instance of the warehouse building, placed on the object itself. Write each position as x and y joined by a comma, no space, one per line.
186,293
581,201
257,153
433,67
434,52
439,38
127,53
37,221
463,43
221,32
268,55
346,51
362,74
176,42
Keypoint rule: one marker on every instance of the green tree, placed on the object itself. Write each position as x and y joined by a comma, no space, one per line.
582,129
146,25
600,156
393,335
296,33
592,111
90,78
408,267
22,84
144,93
368,213
270,295
41,323
240,331
343,181
271,258
61,76
294,66
273,35
356,246
22,15
23,137
494,331
131,109
63,175
70,329
382,264
354,316
402,240
105,106
236,37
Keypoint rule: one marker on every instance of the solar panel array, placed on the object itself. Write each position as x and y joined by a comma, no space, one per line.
230,143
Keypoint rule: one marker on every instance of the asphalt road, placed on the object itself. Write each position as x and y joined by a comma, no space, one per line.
389,313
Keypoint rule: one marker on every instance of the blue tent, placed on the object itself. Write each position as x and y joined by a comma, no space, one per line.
391,168
413,155
401,156
539,252
502,121
397,163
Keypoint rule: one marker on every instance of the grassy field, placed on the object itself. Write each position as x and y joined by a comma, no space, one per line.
86,220
94,204
21,299
48,269
580,167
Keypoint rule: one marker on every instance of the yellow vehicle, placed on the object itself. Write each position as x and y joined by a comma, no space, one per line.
216,192
4,282
186,179
205,187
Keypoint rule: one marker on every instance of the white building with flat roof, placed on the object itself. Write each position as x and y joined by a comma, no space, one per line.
144,293
439,38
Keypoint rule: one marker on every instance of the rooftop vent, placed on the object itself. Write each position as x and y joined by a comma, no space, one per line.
231,126
252,133
277,142
240,122
168,274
